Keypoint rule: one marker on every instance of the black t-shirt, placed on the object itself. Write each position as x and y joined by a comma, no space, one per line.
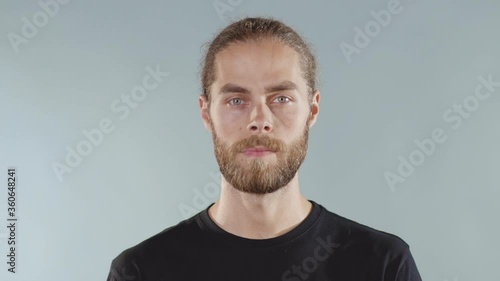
324,246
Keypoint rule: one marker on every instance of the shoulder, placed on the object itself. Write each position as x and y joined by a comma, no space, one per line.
153,249
366,239
371,251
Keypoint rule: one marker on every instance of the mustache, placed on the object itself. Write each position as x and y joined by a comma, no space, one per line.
255,140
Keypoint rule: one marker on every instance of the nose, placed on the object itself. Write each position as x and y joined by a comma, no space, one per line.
260,117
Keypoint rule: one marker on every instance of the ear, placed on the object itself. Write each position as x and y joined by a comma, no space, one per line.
314,108
204,113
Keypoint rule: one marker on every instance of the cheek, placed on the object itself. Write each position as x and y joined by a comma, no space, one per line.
290,118
288,115
228,122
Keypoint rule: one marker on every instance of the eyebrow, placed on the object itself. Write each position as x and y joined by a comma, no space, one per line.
233,88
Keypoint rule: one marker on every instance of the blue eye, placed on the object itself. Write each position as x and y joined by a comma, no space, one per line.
235,99
283,97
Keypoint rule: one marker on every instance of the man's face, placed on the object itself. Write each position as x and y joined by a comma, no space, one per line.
259,99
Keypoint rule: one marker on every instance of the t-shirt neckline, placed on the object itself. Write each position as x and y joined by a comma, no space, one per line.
239,241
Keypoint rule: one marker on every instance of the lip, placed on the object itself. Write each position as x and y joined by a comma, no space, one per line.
258,151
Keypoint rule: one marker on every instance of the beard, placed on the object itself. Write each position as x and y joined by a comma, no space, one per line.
260,175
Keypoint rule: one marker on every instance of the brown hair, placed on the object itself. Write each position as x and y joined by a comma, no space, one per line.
257,29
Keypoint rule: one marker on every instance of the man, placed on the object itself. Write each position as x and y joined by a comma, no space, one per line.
258,101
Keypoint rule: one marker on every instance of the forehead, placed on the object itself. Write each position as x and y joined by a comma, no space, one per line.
257,63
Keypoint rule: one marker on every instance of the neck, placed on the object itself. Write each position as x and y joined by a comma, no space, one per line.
256,216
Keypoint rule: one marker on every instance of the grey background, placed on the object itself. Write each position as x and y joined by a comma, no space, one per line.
134,184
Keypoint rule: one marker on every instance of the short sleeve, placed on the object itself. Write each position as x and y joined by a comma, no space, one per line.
408,269
123,269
